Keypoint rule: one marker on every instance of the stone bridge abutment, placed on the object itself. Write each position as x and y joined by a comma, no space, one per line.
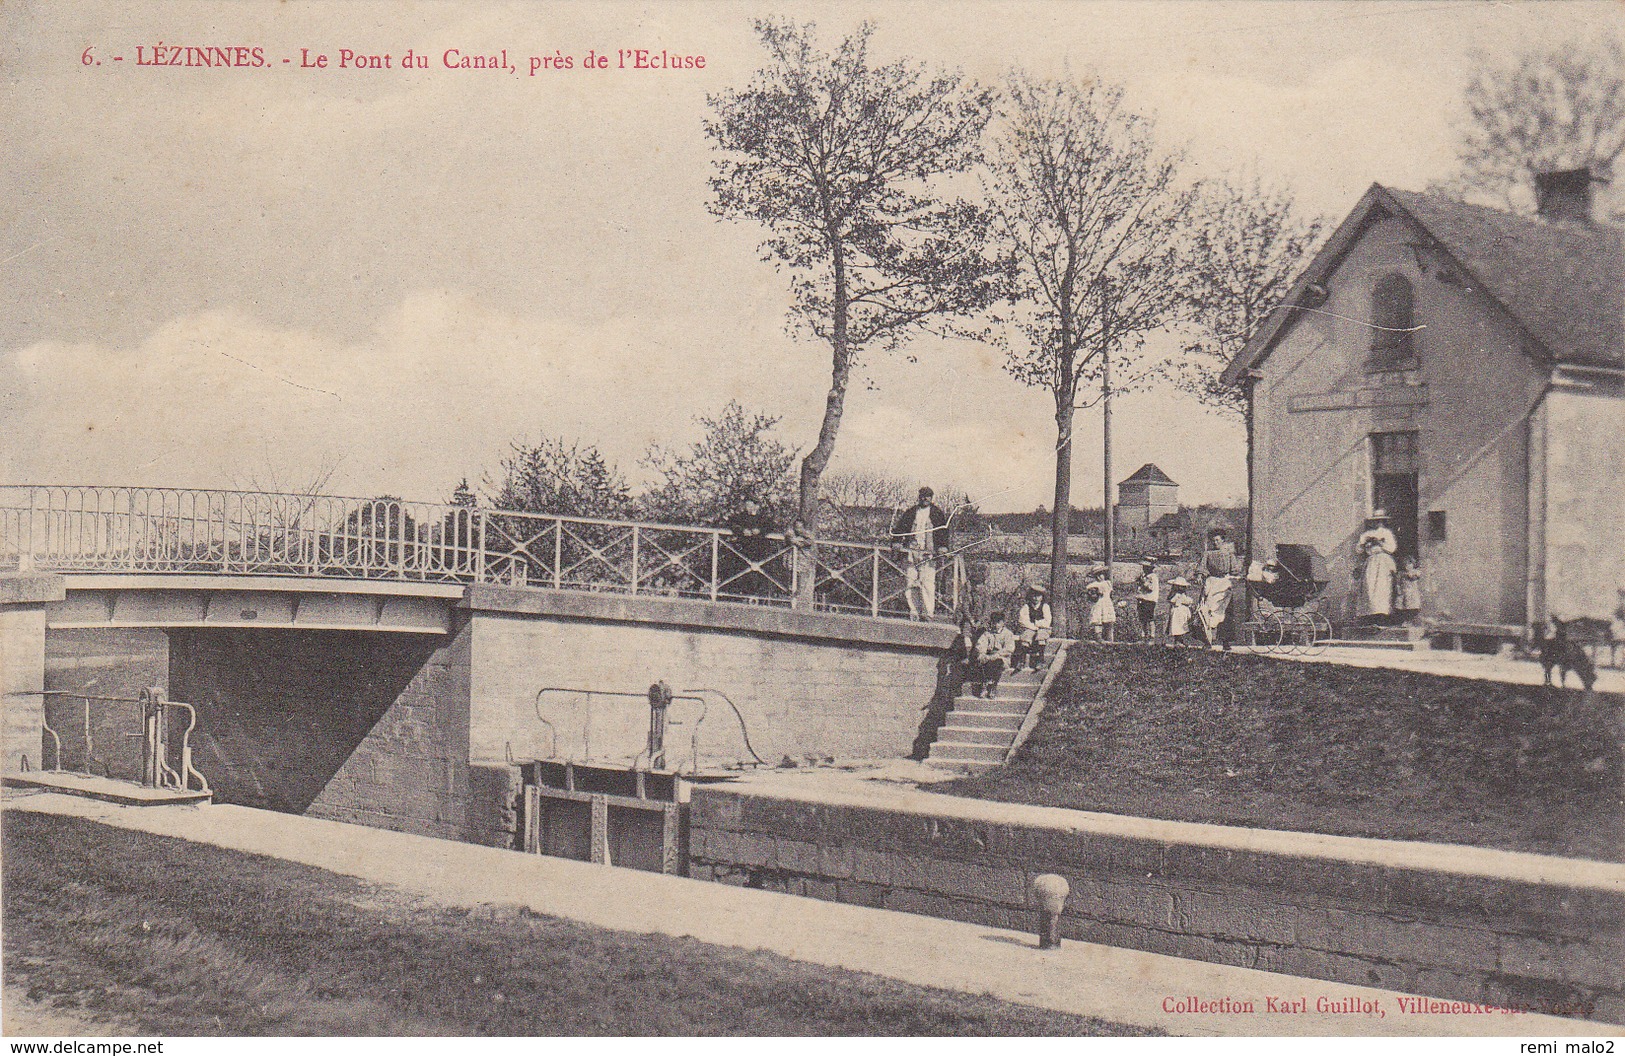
409,710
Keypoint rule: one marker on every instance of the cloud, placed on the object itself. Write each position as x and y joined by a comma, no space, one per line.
438,390
446,380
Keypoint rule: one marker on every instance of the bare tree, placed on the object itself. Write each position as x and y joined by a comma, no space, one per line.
860,505
1248,245
1090,211
843,162
1561,109
270,479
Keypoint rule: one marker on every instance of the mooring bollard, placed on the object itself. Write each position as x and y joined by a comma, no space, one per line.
1050,891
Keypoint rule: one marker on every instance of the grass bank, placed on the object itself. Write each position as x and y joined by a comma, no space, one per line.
1251,740
177,938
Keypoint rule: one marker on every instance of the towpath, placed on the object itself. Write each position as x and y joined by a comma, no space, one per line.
1118,985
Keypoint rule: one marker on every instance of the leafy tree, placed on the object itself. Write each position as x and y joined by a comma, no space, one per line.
1248,245
1561,109
379,532
737,458
457,528
554,477
1089,211
844,162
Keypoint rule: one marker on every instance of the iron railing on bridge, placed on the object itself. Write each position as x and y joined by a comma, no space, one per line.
160,530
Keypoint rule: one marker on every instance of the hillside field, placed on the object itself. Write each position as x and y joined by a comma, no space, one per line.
1252,740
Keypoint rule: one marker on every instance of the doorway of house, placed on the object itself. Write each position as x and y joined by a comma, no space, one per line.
1394,487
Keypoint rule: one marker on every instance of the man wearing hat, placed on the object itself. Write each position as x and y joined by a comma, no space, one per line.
1146,598
923,532
1376,550
1033,621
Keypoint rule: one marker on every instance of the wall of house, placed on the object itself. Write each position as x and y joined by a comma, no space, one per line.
1469,398
1584,510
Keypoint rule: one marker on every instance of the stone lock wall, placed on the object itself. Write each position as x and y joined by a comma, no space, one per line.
1512,930
805,684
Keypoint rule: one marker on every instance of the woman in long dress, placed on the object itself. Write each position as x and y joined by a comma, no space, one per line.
1376,548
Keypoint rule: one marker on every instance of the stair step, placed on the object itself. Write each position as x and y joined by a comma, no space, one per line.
972,766
974,735
1005,701
988,720
976,753
1006,707
1002,693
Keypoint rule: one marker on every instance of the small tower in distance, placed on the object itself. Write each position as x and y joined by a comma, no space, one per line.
1144,498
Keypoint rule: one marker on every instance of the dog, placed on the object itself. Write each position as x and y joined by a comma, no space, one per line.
1563,654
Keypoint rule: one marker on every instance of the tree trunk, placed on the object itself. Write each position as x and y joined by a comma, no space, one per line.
817,460
1248,381
1060,520
1107,505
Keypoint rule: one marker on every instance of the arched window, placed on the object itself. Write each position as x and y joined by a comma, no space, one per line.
1393,319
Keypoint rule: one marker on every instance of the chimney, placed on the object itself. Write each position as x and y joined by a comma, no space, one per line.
1564,195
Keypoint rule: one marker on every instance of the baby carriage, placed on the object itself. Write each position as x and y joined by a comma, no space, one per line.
1289,585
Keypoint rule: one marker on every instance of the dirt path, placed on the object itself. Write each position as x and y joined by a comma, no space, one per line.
23,1017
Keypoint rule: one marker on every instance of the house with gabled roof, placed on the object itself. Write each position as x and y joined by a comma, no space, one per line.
1463,370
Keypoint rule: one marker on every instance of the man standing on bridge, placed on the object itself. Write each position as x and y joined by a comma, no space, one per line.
923,533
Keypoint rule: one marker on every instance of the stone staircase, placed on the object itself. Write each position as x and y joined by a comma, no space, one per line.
978,731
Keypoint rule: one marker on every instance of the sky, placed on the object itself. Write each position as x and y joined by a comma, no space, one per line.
380,279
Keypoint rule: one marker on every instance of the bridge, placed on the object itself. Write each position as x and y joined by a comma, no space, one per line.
393,662
126,532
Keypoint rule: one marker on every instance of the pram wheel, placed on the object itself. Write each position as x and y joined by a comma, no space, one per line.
1320,633
1271,631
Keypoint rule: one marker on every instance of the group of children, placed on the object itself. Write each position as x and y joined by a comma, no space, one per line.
983,655
1182,625
1147,595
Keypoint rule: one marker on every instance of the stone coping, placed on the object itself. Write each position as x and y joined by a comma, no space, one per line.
109,789
1516,866
769,620
31,588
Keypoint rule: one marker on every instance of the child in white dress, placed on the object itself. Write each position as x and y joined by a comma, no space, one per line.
1181,606
1102,612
